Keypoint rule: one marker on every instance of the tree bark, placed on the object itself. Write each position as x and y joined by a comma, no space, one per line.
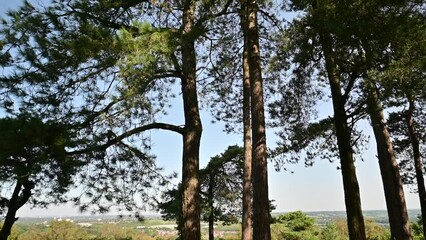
192,130
417,162
211,207
392,184
355,219
261,218
247,181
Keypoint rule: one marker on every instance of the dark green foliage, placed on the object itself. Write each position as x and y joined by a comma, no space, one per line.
67,230
403,145
331,232
361,56
304,134
223,83
31,150
70,67
171,206
296,221
221,190
335,230
299,226
222,184
403,83
107,69
338,230
294,226
417,228
314,139
39,168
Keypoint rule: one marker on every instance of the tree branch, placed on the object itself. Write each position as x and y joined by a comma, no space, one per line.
114,140
349,87
201,22
93,116
274,20
106,22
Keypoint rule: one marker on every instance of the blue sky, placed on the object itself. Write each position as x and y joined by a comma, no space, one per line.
317,188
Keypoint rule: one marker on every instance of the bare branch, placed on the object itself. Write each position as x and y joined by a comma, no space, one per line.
349,87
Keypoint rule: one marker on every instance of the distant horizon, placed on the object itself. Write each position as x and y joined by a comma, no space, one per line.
89,215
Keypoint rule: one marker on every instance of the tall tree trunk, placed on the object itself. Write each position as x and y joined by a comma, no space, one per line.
261,218
192,131
392,184
355,219
247,181
417,162
18,199
211,207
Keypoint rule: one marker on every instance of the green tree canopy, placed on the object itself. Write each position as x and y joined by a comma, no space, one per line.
221,190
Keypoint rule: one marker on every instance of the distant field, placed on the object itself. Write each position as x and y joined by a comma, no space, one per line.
321,217
379,216
153,227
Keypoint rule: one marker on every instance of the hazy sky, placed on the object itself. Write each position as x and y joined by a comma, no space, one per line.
317,188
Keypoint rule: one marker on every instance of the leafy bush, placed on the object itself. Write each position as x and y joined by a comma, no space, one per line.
299,226
294,226
15,232
64,230
57,230
296,221
417,229
331,232
375,231
339,230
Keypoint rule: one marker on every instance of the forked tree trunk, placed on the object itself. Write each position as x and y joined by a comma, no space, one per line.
355,219
247,181
12,208
392,183
192,131
261,218
417,162
21,194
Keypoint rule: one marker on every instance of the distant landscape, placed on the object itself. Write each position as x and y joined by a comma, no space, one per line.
378,216
316,225
321,217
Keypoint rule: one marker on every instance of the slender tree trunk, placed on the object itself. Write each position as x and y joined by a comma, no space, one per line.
261,218
417,162
211,207
192,131
392,184
247,181
18,199
355,219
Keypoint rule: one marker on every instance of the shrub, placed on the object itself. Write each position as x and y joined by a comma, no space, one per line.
375,231
294,226
296,221
339,230
331,232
